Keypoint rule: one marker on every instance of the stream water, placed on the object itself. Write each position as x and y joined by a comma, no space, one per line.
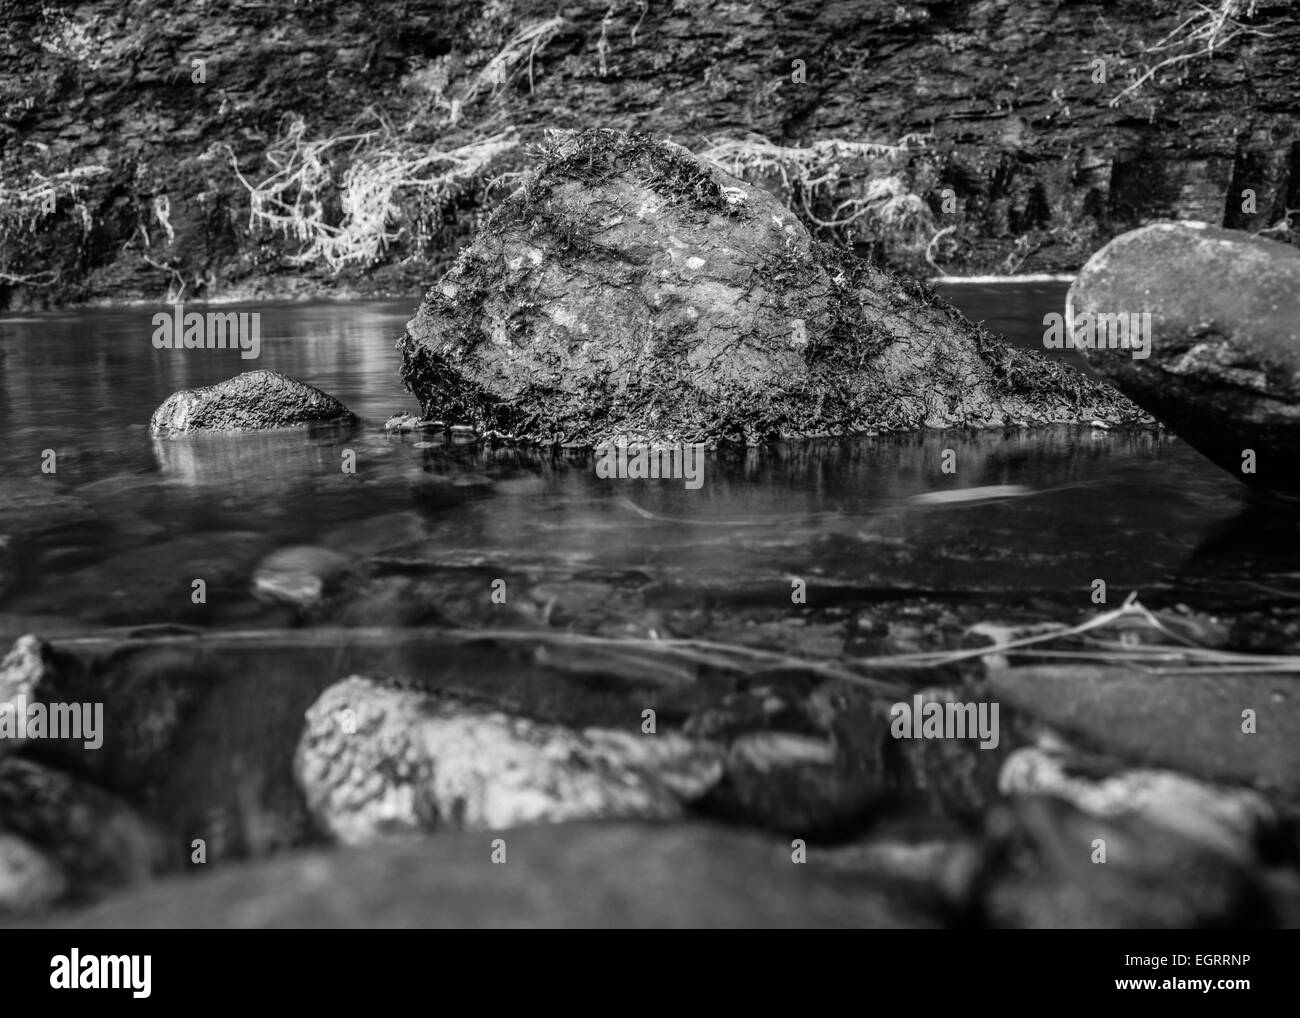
119,530
114,531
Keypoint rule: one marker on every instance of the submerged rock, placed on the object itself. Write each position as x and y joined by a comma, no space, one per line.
630,290
376,760
1223,369
252,401
299,574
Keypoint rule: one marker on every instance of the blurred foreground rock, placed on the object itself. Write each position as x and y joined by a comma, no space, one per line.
380,761
571,875
63,839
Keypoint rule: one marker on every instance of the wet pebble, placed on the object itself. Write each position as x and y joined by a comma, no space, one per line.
298,574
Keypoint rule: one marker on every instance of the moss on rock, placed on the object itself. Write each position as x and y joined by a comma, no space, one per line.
629,291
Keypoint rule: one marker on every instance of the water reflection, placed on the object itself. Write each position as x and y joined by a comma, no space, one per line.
119,530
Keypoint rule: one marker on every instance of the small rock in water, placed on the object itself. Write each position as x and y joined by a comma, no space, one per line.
299,574
410,422
253,401
379,761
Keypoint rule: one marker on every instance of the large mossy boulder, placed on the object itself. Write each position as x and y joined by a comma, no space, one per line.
632,291
1223,364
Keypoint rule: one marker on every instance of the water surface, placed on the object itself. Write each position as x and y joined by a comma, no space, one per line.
126,523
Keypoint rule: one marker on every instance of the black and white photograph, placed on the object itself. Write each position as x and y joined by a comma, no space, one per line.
648,464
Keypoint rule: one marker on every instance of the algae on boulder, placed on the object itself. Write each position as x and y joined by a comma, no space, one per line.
632,291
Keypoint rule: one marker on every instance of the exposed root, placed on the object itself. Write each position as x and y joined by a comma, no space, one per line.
297,199
820,174
1197,35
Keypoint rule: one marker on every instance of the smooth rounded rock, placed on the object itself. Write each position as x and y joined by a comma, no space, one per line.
1223,364
298,574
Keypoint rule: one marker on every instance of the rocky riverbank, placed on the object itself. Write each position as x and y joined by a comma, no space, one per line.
1097,802
153,151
